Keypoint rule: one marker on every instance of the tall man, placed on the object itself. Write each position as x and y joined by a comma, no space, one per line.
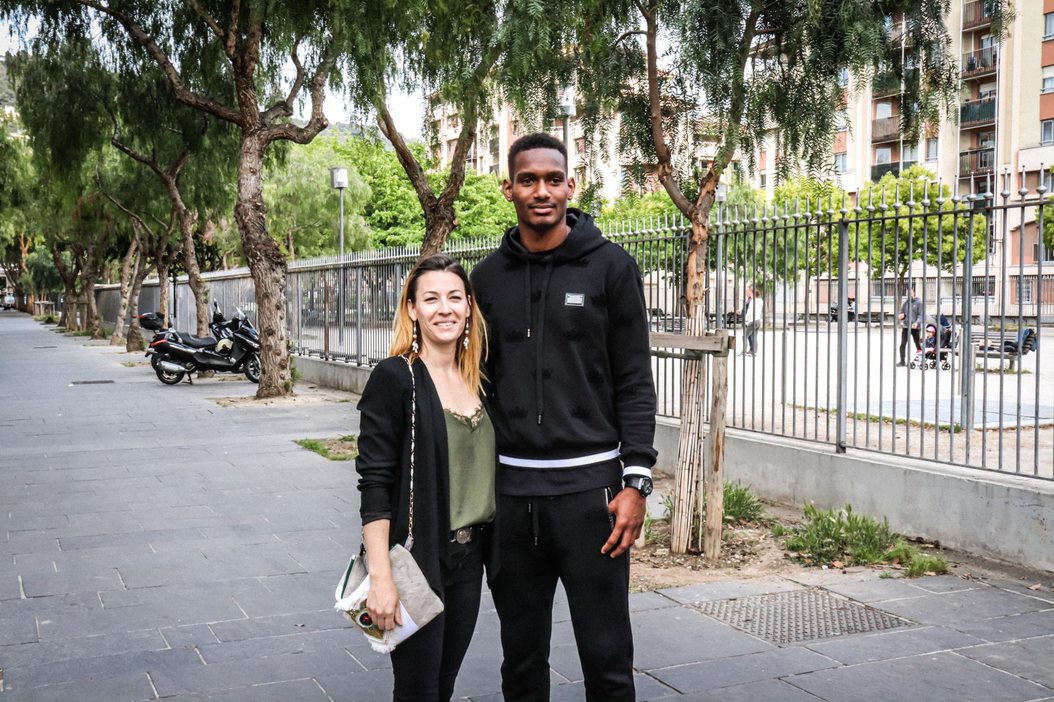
574,409
910,318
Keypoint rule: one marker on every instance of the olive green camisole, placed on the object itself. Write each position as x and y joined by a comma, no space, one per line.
470,445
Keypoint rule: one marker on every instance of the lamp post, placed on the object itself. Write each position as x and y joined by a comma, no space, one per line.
338,178
568,110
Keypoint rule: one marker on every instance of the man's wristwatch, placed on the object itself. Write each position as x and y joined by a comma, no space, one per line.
639,483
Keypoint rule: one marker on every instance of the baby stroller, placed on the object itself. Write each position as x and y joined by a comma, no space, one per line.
936,348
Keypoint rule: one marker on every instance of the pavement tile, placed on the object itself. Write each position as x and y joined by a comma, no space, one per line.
676,636
957,607
940,677
187,635
893,644
306,690
102,665
766,691
726,589
1044,592
282,594
18,629
1030,659
1019,626
946,583
358,685
136,538
9,589
278,625
274,645
738,670
875,590
133,687
42,583
251,671
32,654
644,601
646,689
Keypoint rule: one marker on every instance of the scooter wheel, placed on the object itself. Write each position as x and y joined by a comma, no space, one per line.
946,366
155,360
252,368
169,377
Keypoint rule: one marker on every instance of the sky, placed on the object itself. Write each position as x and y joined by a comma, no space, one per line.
407,109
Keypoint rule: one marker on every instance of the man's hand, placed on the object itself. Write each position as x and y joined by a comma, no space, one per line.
628,509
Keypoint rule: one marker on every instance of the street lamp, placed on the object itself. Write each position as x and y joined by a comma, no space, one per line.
338,178
568,110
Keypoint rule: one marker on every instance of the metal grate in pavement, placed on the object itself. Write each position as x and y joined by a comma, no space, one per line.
90,382
799,615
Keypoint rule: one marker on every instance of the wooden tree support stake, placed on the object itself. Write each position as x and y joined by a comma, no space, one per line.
695,449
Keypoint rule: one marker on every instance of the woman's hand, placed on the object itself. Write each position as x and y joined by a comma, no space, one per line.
382,602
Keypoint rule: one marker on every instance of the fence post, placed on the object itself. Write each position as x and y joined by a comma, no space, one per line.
967,370
843,332
715,457
358,316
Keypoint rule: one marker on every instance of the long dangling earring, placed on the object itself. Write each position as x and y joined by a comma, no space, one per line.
414,346
465,342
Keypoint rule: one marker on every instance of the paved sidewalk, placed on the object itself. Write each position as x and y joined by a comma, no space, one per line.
155,544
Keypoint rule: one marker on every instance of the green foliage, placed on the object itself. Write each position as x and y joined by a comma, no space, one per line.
303,209
344,448
843,536
481,209
943,239
742,505
43,277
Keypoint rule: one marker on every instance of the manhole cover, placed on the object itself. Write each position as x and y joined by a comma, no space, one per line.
90,382
799,615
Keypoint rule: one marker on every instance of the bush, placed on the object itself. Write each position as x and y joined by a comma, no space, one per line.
741,505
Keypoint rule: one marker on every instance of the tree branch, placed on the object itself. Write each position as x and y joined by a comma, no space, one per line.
182,93
406,157
664,159
284,108
209,20
232,28
625,35
317,122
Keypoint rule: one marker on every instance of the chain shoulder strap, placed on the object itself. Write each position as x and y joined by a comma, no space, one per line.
413,449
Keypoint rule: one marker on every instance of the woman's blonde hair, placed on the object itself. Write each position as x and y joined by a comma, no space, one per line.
469,360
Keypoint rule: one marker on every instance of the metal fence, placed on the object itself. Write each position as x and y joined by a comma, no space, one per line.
832,279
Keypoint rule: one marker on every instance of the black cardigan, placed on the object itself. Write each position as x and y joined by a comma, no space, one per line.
383,464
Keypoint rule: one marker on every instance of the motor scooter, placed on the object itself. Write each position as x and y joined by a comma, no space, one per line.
175,354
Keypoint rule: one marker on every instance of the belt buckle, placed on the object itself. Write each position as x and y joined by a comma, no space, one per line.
463,535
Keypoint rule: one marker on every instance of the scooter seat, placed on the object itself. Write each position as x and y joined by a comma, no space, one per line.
198,342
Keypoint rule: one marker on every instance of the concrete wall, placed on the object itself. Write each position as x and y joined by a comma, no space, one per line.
332,374
1004,517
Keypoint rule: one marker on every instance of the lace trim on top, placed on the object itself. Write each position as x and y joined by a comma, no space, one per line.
471,421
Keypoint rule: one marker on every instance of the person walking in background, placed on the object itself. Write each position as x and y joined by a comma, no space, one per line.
753,317
439,338
574,408
910,318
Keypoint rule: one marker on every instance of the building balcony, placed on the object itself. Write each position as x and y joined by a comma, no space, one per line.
880,169
977,161
975,14
885,129
977,113
885,83
981,62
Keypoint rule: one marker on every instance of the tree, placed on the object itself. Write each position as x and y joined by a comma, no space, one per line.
303,209
16,178
246,45
448,50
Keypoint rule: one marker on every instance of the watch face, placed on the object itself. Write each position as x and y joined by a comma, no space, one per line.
645,487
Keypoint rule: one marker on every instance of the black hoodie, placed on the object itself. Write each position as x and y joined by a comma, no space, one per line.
569,365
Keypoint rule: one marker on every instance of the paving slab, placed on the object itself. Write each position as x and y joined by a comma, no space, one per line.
940,677
1030,659
885,645
738,670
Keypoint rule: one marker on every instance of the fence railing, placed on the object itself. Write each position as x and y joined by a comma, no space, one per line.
980,61
828,343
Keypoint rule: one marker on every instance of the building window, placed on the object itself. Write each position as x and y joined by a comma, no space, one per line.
883,110
932,149
986,91
840,165
1048,26
1048,254
843,77
910,153
1047,131
1024,290
763,182
1048,79
841,121
883,154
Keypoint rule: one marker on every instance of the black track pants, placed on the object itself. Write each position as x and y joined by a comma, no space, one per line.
427,663
914,331
548,538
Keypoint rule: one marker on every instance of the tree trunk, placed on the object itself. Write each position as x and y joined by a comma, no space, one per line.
439,222
190,259
91,310
268,268
134,342
163,268
128,268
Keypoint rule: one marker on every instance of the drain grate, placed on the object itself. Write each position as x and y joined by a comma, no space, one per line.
799,615
90,382
45,347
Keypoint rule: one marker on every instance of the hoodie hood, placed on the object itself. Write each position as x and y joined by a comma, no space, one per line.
583,238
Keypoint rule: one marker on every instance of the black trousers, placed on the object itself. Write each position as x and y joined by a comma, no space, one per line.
427,663
545,539
904,340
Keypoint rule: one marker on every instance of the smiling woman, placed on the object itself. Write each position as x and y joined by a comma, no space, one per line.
427,465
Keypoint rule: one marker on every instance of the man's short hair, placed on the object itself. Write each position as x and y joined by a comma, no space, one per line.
538,140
